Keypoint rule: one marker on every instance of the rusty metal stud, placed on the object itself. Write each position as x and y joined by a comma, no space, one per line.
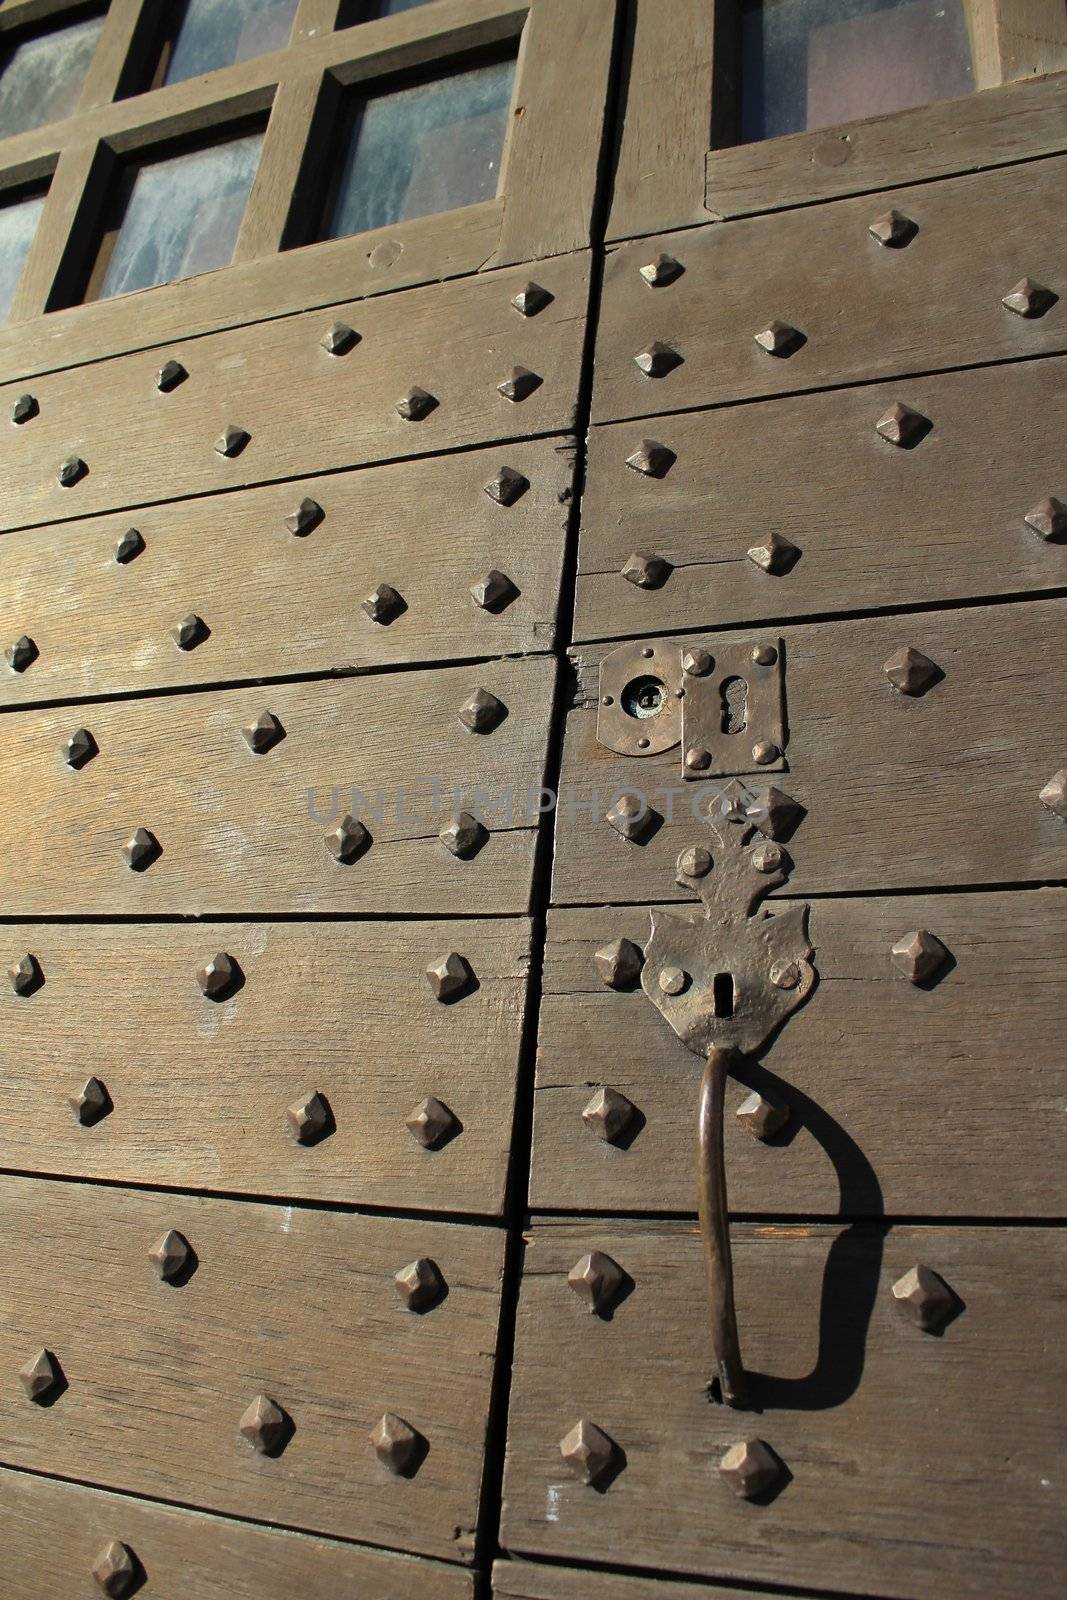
619,963
1029,299
191,631
463,836
420,1284
651,458
779,338
919,955
310,1118
116,1569
531,299
79,748
22,654
768,857
265,1426
416,404
71,471
775,555
1049,519
347,840
507,486
764,752
763,1118
785,974
519,384
129,546
1054,794
661,270
431,1123
609,1114
902,425
384,605
339,338
693,862
170,374
231,441
893,229
697,759
924,1298
41,1376
481,711
448,976
588,1451
307,516
263,734
170,1255
674,980
646,571
397,1444
140,849
631,817
91,1103
26,976
697,663
494,591
596,1279
25,408
764,655
911,672
217,976
750,1468
657,359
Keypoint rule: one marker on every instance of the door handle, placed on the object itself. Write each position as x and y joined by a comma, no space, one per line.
715,1226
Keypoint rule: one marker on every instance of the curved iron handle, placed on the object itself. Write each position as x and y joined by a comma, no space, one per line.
715,1226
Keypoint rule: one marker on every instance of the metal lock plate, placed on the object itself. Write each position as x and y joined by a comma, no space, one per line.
640,709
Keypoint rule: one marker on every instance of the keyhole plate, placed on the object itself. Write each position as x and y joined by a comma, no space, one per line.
735,712
640,709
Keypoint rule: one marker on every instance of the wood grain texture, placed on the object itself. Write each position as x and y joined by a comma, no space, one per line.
875,525
523,1580
916,1463
283,604
901,792
1016,39
865,311
245,833
304,409
200,1089
53,1532
903,1100
299,1305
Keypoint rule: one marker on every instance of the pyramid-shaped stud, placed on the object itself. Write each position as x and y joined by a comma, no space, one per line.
762,1117
645,570
493,591
420,1285
693,862
22,654
1054,795
632,817
779,338
596,1279
464,836
588,1451
431,1123
924,1298
619,963
449,976
339,338
911,672
893,229
307,516
652,459
750,1468
519,384
776,555
263,734
170,1255
218,976
902,425
609,1114
25,976
129,546
310,1118
507,486
397,1444
1048,519
116,1570
384,605
531,299
24,409
170,374
265,1425
190,632
774,813
71,471
481,712
657,359
348,840
140,849
231,441
919,955
661,270
1029,299
92,1102
41,1376
416,404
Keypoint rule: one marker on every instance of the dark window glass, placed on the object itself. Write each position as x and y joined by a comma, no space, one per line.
18,224
41,77
813,63
429,147
353,11
179,216
208,34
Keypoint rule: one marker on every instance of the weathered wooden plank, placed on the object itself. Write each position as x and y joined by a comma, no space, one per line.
294,1304
874,524
865,311
280,604
902,1100
915,1463
930,791
344,1010
523,1580
1016,39
54,1532
241,832
303,409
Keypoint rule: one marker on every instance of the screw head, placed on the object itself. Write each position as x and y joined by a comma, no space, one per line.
924,1298
750,1468
307,516
785,974
170,1255
531,299
22,654
673,980
116,1570
779,339
348,840
481,711
763,1118
449,976
1054,795
170,374
217,976
309,1119
588,1451
397,1444
776,555
26,976
697,663
764,752
339,338
519,384
652,459
661,270
1049,519
609,1114
191,631
24,409
1029,299
893,229
263,734
646,571
902,425
265,1425
919,955
141,849
911,672
420,1284
656,360
494,591
431,1123
693,862
91,1103
596,1279
231,441
464,836
631,817
129,546
384,605
507,486
41,1376
71,471
416,404
619,963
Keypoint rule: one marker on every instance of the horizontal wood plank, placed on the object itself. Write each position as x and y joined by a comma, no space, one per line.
523,1580
915,1463
294,1304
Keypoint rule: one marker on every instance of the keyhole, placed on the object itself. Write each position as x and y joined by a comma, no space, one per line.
644,698
734,693
722,994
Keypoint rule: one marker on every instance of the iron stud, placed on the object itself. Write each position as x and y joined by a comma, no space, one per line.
531,299
140,850
893,229
507,486
661,270
397,1444
764,752
750,1468
416,404
339,338
384,605
265,1426
494,591
449,976
463,836
420,1284
307,516
779,339
657,359
79,748
646,571
431,1123
768,857
116,1570
231,441
785,974
902,425
588,1451
693,862
776,555
218,976
774,813
911,672
1029,299
764,655
26,976
519,384
697,663
190,632
263,734
619,963
71,471
22,654
129,546
1054,795
1049,519
309,1119
697,759
170,374
652,459
24,409
596,1279
919,955
481,711
763,1118
609,1114
92,1102
170,1255
630,817
41,1376
347,840
924,1298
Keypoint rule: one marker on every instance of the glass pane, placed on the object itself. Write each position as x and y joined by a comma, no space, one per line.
428,148
216,33
182,216
41,78
812,63
353,11
18,224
